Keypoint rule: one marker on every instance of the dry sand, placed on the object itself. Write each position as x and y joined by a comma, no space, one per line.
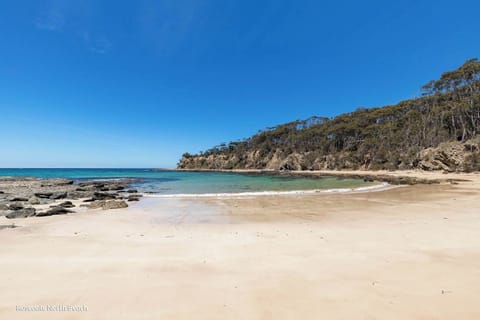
405,253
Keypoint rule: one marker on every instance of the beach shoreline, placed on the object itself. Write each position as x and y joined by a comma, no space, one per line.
410,252
409,177
373,188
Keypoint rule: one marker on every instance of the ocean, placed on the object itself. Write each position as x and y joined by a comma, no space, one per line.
177,182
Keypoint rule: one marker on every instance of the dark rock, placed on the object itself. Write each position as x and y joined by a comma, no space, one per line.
21,213
58,195
53,211
1,192
79,194
16,206
112,187
132,191
83,189
20,199
88,186
137,195
43,195
104,196
116,187
134,197
66,204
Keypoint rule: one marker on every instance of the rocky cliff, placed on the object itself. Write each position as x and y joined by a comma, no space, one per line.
449,156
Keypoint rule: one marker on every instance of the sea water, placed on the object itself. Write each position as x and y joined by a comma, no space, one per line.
180,182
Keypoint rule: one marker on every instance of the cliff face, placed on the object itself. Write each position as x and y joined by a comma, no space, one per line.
449,156
438,131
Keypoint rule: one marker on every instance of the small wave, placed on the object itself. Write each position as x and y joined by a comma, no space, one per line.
378,187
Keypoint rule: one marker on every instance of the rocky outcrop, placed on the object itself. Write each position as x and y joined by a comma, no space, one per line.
449,156
26,197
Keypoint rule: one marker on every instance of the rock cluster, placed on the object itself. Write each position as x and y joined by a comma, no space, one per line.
450,156
27,197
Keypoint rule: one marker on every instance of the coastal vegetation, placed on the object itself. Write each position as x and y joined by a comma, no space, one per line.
438,130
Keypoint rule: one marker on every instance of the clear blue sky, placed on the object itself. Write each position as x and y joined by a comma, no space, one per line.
137,83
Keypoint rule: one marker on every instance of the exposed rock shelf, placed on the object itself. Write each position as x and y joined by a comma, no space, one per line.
23,197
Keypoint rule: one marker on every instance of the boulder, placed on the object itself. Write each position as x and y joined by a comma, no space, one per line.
66,204
53,211
21,213
43,195
79,194
292,162
113,187
96,204
58,195
84,189
104,196
107,204
134,197
448,156
16,206
34,201
19,199
113,204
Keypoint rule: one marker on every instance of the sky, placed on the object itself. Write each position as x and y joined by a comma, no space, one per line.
138,83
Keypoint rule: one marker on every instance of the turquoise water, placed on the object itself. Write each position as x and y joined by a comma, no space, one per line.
173,182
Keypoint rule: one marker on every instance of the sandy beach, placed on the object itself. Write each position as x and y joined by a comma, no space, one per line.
411,252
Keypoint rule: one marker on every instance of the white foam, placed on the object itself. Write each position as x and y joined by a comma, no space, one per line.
378,187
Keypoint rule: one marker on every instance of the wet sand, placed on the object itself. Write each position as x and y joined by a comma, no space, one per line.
406,253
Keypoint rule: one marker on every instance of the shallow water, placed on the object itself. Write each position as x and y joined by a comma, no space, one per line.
174,182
